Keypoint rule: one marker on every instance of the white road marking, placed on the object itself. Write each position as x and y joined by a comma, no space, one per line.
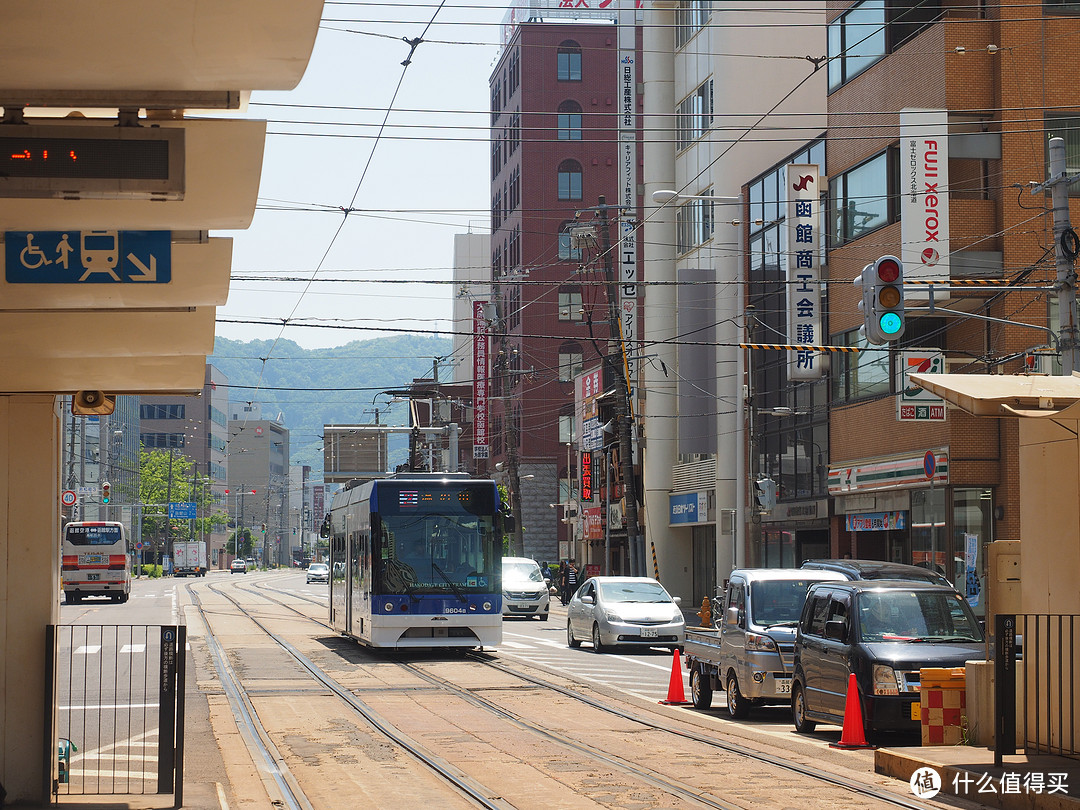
87,649
133,648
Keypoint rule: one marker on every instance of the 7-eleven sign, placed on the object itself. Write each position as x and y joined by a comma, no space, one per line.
913,403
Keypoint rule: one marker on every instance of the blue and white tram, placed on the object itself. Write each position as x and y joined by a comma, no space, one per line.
416,561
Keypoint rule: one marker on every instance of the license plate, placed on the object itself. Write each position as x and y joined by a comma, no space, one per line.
93,577
648,632
90,559
916,710
783,686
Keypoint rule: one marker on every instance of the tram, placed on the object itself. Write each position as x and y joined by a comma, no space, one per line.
416,561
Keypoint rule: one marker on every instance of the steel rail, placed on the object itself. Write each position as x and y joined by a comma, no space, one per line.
791,765
472,789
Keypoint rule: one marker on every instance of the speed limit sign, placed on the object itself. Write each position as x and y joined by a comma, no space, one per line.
68,498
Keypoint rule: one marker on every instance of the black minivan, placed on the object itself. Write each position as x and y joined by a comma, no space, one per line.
884,631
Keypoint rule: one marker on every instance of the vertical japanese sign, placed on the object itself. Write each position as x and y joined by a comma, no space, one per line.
924,201
804,270
587,388
627,250
480,380
586,476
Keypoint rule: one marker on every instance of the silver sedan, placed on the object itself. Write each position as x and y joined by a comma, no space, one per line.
609,611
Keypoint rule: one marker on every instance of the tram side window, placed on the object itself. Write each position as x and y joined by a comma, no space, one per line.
337,558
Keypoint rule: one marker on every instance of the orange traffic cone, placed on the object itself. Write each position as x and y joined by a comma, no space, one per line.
675,694
853,735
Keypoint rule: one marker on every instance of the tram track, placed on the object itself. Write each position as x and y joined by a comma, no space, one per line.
685,790
258,739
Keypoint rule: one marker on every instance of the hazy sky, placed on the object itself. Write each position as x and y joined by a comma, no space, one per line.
424,180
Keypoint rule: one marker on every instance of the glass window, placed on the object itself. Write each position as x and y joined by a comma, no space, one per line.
570,305
569,363
860,199
858,375
856,41
1067,128
695,115
566,428
153,411
694,223
690,17
569,121
569,62
570,180
1061,6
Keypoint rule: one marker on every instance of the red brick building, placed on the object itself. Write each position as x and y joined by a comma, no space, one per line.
553,105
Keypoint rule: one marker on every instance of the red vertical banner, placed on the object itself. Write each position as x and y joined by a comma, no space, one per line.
480,380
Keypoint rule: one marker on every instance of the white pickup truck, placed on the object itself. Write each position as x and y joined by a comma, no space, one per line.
750,651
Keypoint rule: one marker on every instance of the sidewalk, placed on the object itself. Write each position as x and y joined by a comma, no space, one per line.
1025,782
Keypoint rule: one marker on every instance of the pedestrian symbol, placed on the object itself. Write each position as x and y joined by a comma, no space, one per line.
88,257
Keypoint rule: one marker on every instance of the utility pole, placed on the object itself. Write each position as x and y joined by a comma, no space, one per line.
1066,247
622,399
168,500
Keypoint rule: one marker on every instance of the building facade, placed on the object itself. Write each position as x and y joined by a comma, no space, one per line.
725,108
554,106
258,467
197,429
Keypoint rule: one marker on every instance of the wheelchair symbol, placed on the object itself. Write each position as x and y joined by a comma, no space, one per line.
33,252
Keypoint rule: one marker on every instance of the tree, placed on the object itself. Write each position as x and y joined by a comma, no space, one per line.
157,467
245,543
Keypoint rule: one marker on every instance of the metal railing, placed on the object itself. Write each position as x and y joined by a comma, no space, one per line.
120,708
1048,673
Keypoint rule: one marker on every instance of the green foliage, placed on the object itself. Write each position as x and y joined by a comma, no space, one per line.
156,468
152,571
246,545
360,370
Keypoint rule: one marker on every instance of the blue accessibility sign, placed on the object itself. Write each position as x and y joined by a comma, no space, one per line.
88,257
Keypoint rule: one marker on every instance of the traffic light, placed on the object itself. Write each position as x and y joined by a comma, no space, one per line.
765,493
106,492
264,528
882,304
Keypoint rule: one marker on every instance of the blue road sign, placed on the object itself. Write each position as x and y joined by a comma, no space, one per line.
183,510
88,257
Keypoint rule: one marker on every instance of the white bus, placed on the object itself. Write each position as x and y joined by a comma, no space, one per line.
95,561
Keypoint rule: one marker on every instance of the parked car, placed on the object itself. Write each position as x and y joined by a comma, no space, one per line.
318,572
885,632
238,566
524,591
750,655
878,569
624,610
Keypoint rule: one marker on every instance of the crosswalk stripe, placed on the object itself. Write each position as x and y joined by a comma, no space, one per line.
88,649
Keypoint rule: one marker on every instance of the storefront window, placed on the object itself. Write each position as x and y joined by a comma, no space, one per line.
973,511
929,542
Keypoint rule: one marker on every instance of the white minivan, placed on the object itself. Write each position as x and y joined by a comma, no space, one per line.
524,591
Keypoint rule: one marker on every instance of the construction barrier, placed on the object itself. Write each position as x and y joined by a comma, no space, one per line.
942,705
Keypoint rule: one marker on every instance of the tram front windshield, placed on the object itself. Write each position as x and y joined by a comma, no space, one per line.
437,540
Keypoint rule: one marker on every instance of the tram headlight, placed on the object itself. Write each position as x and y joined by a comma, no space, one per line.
488,606
388,607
